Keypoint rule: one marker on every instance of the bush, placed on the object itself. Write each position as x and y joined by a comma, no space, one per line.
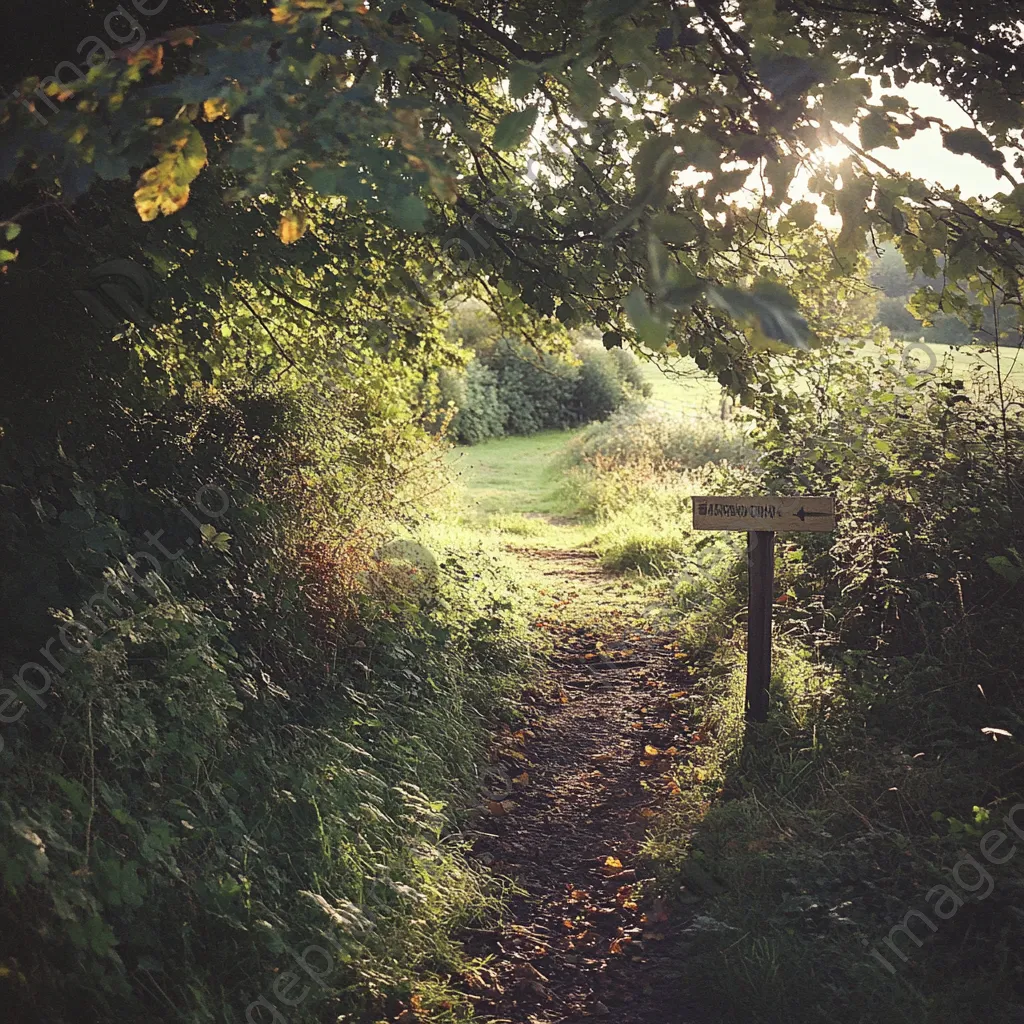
252,741
512,389
482,413
630,373
600,385
538,390
897,643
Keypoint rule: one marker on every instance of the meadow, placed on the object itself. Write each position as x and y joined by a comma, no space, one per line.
527,475
515,476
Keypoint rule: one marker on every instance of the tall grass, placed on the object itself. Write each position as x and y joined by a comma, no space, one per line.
634,476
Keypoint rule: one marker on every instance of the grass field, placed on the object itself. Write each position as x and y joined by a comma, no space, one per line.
521,475
511,474
681,386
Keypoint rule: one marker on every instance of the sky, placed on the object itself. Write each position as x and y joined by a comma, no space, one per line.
924,155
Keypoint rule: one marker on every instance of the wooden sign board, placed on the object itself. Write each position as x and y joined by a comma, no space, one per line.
757,513
762,517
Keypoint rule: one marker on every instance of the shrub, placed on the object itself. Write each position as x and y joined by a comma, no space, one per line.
600,385
255,745
897,643
482,412
511,389
538,390
630,372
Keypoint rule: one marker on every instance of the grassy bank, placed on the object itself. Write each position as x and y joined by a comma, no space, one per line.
834,856
266,724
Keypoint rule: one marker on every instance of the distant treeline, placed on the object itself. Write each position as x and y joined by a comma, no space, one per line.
889,274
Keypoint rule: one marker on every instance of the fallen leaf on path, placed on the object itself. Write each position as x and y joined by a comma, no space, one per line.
611,866
651,751
501,807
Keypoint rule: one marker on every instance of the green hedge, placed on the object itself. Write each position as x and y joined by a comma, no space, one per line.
512,389
245,747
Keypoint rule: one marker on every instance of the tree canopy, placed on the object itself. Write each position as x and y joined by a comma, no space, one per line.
634,165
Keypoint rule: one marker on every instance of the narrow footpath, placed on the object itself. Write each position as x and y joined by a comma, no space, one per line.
569,801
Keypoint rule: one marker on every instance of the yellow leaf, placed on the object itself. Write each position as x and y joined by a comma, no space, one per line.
293,226
612,865
164,188
651,751
216,107
282,15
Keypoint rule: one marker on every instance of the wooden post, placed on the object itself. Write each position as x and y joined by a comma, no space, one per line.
750,513
760,575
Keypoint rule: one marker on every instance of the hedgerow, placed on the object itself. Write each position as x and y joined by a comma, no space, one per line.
259,723
509,388
811,839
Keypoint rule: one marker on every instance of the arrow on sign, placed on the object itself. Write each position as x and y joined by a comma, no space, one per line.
803,514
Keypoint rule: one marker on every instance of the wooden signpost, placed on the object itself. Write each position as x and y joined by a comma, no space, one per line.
761,517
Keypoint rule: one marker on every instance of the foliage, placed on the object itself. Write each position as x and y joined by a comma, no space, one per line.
427,151
257,742
644,435
514,390
896,654
481,412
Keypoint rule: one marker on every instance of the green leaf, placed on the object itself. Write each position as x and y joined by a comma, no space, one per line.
650,329
522,78
12,231
972,142
674,228
786,75
6,255
1005,568
514,129
803,214
878,130
410,213
771,308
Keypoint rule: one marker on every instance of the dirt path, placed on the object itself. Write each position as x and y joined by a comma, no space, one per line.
571,799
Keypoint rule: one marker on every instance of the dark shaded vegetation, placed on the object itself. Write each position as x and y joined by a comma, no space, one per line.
258,720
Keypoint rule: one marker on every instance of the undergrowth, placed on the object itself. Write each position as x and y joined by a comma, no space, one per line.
837,857
249,756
